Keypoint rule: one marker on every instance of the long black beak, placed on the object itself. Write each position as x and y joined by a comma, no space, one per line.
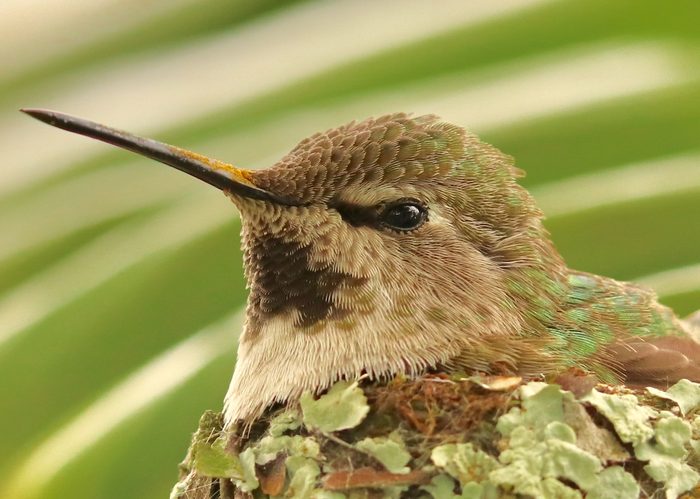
221,175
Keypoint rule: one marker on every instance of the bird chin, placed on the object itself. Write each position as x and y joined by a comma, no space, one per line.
281,361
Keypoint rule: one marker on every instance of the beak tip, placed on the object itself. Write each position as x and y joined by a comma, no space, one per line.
40,114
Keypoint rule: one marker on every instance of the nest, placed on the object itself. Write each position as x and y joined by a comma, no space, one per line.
448,437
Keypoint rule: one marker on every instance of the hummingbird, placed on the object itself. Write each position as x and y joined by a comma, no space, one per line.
399,245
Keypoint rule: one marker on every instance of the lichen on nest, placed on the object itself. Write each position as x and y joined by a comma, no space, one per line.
449,437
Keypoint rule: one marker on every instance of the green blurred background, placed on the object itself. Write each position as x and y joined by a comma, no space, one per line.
120,280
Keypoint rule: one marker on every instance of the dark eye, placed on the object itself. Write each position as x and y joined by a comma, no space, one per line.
404,215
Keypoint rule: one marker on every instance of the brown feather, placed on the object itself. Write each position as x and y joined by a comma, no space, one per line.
658,362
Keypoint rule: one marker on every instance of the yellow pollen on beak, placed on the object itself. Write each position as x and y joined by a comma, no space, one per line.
238,174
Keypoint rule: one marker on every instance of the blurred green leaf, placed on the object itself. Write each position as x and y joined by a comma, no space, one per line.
69,358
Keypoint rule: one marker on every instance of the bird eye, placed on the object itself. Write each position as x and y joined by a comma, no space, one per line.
404,215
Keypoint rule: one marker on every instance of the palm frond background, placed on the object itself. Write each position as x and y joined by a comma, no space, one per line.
120,281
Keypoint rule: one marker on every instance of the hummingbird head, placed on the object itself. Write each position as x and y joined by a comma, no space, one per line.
397,236
386,246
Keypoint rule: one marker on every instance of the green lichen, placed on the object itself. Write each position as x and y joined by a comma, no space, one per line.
463,462
343,407
684,393
541,448
658,437
249,480
667,452
269,447
631,420
390,451
615,479
387,493
327,494
596,440
284,422
541,404
214,460
533,458
304,476
695,440
442,487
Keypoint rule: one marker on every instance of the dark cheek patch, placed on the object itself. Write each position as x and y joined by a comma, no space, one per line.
282,281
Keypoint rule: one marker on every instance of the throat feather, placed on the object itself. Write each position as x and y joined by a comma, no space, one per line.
284,280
